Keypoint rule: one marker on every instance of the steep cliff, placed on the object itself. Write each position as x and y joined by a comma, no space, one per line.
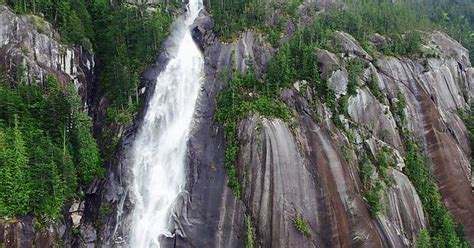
30,43
312,170
301,182
372,163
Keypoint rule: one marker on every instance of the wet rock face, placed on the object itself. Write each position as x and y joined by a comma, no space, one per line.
21,232
433,118
277,185
350,223
32,42
209,215
403,216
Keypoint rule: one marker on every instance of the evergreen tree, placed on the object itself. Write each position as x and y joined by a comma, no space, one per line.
15,184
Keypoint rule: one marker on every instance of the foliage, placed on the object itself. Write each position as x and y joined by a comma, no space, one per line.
423,239
442,227
355,68
61,154
442,230
125,37
248,14
372,186
374,183
373,85
14,189
373,198
130,41
406,45
361,19
296,60
456,18
104,211
468,119
69,16
301,226
249,232
384,161
398,107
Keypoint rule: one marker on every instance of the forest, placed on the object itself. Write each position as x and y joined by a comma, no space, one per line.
47,152
46,148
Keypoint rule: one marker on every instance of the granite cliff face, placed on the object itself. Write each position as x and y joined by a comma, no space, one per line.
311,170
31,44
307,168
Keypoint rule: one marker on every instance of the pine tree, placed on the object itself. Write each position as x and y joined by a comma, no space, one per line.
15,184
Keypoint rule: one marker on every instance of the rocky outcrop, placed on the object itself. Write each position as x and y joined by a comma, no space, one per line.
21,232
434,90
403,217
30,44
364,108
350,46
432,117
280,184
277,166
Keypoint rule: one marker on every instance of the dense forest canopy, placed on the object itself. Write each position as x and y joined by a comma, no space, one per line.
46,148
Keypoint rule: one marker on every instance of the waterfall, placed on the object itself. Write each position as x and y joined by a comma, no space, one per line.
158,168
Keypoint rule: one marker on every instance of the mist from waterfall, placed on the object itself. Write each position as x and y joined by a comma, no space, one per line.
159,150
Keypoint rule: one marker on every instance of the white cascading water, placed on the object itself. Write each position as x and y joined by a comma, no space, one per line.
160,148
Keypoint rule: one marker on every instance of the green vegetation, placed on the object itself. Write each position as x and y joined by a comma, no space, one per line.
407,45
456,18
296,60
301,226
46,149
384,161
126,39
355,68
398,107
468,119
104,211
423,239
249,232
442,227
374,183
252,14
373,85
442,231
69,16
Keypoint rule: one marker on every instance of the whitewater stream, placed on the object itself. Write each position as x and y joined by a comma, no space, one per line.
160,148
